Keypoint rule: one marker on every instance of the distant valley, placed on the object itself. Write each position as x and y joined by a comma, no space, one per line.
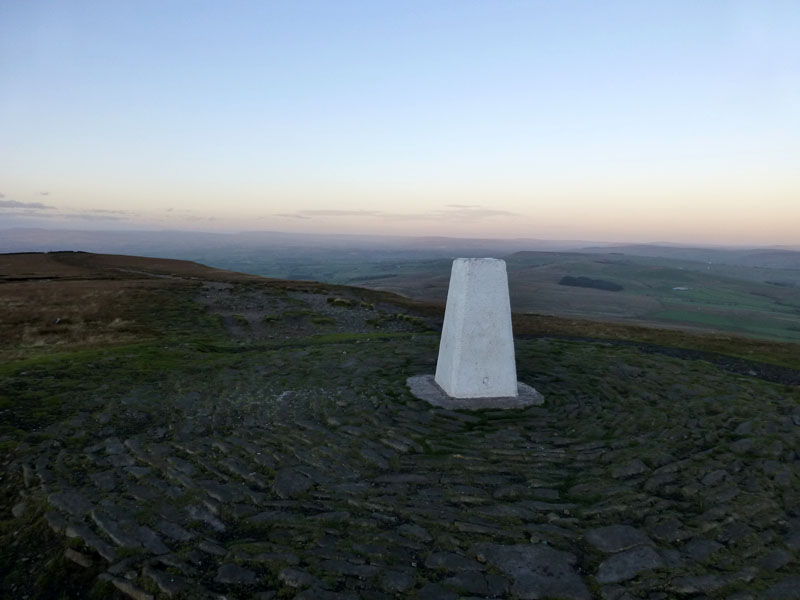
750,300
753,292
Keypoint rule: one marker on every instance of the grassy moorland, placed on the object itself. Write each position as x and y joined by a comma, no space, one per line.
168,430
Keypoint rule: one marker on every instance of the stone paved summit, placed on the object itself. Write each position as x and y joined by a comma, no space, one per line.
291,461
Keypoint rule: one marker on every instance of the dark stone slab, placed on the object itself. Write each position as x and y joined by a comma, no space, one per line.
450,561
290,483
231,573
537,571
71,502
434,591
627,565
616,538
398,581
786,589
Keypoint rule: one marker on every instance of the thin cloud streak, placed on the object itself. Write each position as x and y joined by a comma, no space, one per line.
341,213
291,216
452,212
103,211
29,205
473,212
90,216
29,215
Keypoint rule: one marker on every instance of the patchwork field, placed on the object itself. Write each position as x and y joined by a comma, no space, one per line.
237,437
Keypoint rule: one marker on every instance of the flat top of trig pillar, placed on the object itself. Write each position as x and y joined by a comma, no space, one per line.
479,265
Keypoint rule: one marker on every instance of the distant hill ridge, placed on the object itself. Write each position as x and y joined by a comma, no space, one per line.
87,265
785,258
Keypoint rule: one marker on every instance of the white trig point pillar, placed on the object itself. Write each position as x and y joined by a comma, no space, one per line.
476,367
476,352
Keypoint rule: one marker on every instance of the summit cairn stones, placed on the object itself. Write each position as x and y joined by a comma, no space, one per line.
476,368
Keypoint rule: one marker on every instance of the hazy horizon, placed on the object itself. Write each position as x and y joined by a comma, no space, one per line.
536,244
620,122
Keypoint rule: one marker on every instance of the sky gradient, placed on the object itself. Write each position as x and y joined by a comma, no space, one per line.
619,121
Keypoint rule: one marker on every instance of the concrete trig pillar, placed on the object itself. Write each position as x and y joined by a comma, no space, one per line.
476,368
476,351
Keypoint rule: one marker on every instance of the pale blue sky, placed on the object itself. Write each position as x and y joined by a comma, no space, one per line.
585,120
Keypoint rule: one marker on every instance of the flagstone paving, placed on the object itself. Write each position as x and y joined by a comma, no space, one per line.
310,471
